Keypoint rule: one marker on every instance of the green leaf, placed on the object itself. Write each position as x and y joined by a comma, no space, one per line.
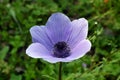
16,77
3,52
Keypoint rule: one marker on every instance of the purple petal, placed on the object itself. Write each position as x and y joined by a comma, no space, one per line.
37,50
52,59
39,35
59,27
79,31
80,50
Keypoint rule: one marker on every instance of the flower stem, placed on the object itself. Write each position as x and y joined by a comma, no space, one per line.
60,71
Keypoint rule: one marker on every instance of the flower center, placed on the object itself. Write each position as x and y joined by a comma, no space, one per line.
61,50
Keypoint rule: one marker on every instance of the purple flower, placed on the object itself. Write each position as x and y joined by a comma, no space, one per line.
60,40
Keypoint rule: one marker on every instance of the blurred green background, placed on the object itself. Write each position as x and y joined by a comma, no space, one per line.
18,16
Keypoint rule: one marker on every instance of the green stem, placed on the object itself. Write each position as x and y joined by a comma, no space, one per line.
60,71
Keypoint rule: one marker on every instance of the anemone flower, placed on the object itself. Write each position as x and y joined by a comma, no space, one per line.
60,39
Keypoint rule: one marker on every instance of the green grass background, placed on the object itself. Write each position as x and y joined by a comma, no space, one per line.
18,16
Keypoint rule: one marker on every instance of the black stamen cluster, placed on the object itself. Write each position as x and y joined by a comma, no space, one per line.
61,50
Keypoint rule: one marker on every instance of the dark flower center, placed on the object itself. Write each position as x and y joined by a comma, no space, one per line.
61,50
